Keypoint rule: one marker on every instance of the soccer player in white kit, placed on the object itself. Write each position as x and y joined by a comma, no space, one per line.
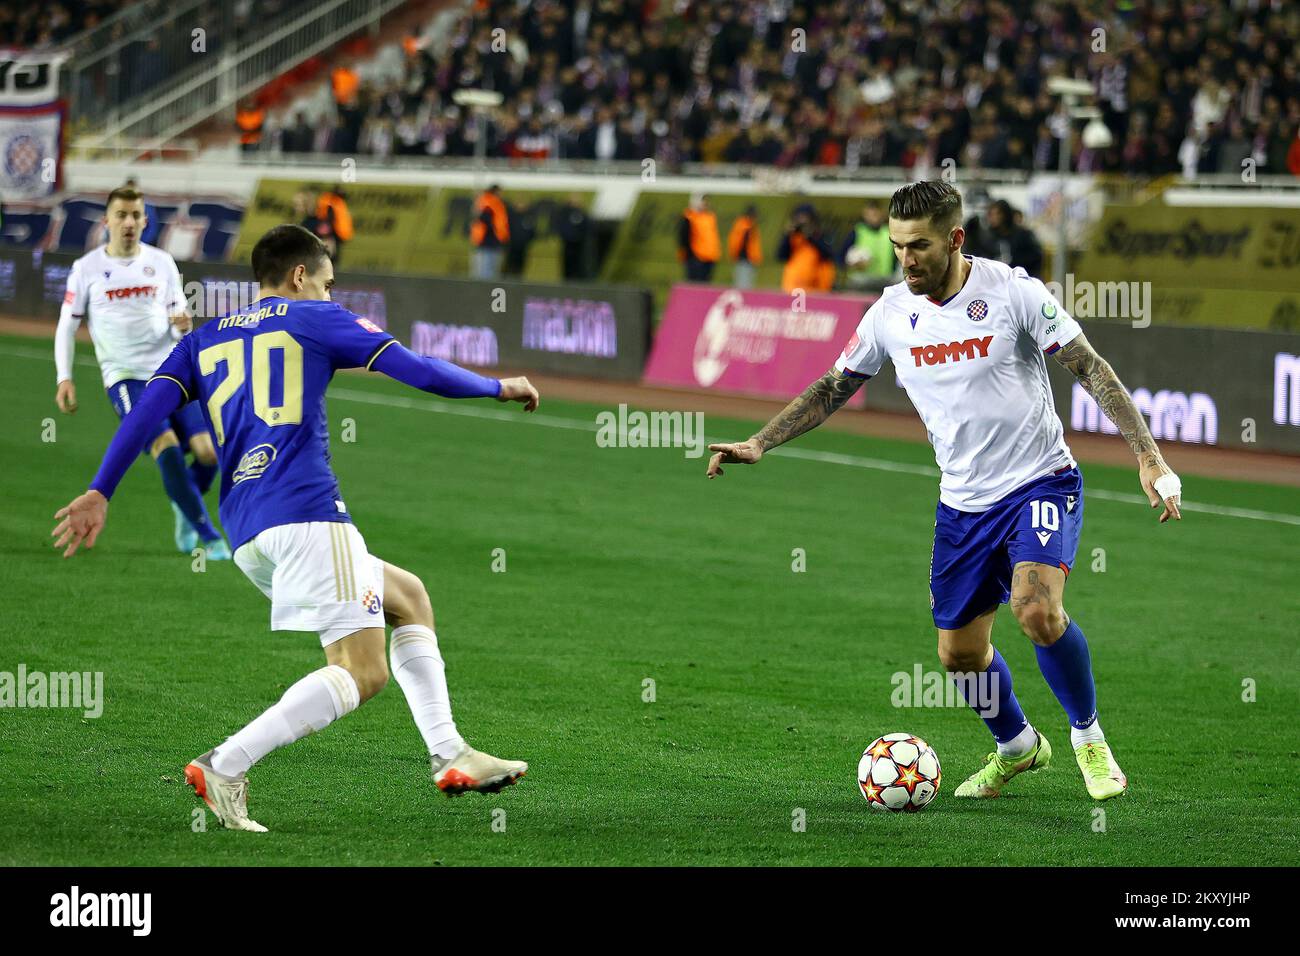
131,292
968,337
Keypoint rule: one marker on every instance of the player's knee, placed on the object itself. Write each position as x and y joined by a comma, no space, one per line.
962,659
1042,623
371,676
407,601
203,450
424,606
164,441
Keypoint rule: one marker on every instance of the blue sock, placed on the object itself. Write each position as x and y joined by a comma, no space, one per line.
1067,666
181,489
202,475
994,702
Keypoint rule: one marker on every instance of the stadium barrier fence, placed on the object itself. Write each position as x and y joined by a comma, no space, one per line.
1235,388
588,331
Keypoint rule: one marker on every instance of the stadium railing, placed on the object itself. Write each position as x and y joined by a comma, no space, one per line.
202,93
142,51
773,178
124,150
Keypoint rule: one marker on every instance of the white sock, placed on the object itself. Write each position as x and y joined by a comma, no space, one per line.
1020,744
419,671
316,701
1089,735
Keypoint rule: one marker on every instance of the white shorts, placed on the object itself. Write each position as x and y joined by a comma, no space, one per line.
319,577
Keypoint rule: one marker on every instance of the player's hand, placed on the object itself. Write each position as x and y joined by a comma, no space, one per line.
1149,474
66,397
520,390
743,453
183,323
83,519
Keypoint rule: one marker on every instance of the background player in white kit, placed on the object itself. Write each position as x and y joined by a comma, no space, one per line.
967,337
132,295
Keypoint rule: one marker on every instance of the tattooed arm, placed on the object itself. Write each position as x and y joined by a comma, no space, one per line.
816,404
1100,381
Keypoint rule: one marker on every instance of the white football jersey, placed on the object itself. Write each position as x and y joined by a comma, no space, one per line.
129,303
974,368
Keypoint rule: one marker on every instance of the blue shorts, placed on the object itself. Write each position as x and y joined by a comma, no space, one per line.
970,567
187,421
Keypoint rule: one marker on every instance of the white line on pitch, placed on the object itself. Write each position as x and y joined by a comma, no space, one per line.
808,454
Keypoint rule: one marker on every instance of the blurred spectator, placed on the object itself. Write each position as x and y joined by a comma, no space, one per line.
809,262
576,233
603,139
745,247
521,222
698,242
304,210
299,137
998,236
489,233
868,254
250,118
304,214
344,83
334,220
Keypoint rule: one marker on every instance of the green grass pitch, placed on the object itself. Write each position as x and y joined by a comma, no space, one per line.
624,565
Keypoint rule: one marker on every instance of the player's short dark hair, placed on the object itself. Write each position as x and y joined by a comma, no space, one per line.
284,247
933,200
124,193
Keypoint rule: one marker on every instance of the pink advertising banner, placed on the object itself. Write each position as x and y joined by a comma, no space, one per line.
749,342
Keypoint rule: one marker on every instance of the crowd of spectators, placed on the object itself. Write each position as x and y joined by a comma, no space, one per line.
41,26
1184,86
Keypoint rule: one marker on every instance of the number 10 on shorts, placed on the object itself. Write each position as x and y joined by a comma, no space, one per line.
1045,515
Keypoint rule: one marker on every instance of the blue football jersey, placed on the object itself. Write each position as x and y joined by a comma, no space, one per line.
260,377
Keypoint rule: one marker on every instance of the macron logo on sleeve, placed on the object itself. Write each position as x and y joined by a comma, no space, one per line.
952,351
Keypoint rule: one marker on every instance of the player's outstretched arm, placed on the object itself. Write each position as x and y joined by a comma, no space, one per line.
1100,381
814,405
81,520
450,380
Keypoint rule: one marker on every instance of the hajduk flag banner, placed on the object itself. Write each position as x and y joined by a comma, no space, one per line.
31,125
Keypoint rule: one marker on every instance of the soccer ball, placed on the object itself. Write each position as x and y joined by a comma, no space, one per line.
899,772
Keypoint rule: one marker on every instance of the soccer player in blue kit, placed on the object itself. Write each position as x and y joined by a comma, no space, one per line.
968,337
260,376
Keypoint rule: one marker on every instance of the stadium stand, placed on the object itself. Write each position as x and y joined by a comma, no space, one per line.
1184,87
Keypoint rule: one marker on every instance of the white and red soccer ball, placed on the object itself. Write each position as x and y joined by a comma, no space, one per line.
899,772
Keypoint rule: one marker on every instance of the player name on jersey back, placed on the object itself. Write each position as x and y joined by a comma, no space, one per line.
255,317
